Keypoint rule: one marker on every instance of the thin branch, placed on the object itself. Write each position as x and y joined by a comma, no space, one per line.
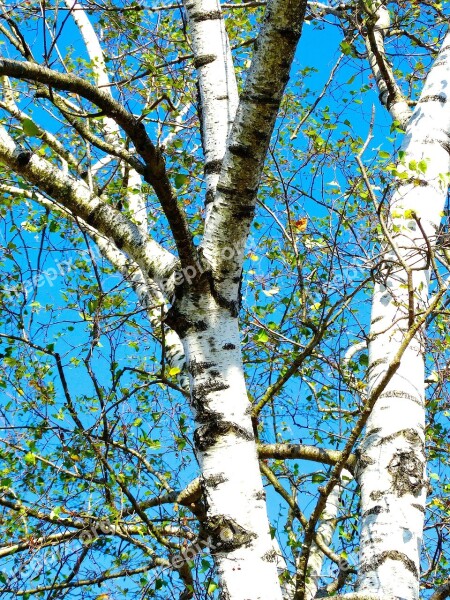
283,451
354,436
155,170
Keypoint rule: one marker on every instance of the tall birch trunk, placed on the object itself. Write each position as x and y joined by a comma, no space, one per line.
218,92
392,473
236,527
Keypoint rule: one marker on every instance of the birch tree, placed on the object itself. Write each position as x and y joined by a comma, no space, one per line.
189,409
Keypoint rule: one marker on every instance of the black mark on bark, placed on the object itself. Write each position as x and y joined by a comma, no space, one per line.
406,470
214,481
241,150
378,560
435,98
213,166
270,556
204,59
23,158
209,434
225,534
376,510
197,368
206,16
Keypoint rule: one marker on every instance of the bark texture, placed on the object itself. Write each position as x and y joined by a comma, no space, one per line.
234,204
218,93
377,24
391,456
236,527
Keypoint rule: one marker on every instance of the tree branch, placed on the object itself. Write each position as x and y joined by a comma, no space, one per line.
75,195
155,170
290,451
378,23
234,204
106,576
442,592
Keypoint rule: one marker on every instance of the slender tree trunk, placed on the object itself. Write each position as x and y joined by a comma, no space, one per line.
392,473
236,528
325,529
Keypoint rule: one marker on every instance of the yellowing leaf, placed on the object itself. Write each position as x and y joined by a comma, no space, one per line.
29,458
300,225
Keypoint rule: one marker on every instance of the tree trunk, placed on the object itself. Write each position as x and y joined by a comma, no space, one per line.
236,528
392,473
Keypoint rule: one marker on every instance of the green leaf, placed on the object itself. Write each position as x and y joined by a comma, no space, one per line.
212,587
262,337
346,48
180,180
422,166
363,360
29,128
29,459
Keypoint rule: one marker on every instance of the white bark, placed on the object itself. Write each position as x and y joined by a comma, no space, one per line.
136,202
392,461
390,94
217,85
325,530
236,526
77,198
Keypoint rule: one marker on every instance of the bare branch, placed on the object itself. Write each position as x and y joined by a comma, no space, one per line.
287,451
155,170
76,196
